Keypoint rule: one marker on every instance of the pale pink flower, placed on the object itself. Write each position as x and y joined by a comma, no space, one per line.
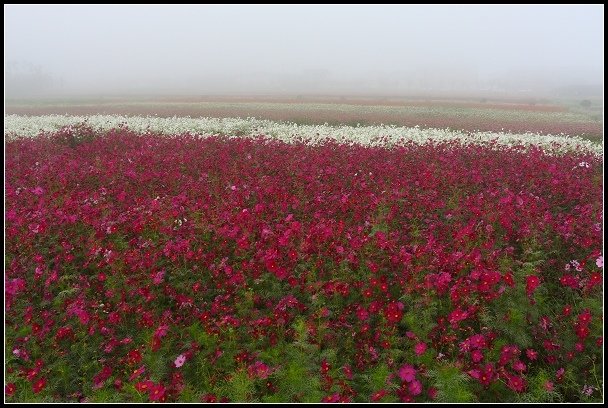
600,261
180,360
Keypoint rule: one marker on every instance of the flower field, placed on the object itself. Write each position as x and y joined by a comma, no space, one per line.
473,117
273,262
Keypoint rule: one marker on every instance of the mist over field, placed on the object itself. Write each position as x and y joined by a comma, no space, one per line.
67,50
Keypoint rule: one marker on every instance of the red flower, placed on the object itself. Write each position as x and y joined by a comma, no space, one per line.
209,398
134,357
582,331
144,386
136,373
585,317
486,375
394,312
378,395
508,278
516,383
594,280
39,385
532,282
156,392
532,355
325,367
10,389
101,377
420,348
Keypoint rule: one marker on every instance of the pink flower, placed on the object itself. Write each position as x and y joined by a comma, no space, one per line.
600,261
476,356
420,348
516,383
532,355
136,373
158,277
180,360
559,374
407,373
38,191
348,372
259,370
519,366
415,387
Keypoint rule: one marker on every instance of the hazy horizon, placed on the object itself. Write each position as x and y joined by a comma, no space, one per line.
307,49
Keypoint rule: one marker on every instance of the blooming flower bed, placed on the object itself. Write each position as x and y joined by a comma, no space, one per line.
384,264
20,126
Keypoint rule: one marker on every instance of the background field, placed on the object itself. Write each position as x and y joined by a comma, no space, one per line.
513,115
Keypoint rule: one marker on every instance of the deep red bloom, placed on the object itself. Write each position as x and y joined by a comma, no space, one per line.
156,392
394,312
485,375
209,398
101,377
532,282
144,386
134,357
39,385
585,317
378,395
9,389
136,373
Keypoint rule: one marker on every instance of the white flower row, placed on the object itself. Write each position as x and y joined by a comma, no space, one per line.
31,126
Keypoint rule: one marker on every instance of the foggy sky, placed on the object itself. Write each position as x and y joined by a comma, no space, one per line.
56,50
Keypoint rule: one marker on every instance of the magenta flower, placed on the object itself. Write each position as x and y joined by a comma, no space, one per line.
38,191
420,348
415,387
407,373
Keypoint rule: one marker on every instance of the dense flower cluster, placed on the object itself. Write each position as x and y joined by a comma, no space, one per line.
289,132
181,268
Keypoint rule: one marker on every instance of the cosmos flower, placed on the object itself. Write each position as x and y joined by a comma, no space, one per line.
180,360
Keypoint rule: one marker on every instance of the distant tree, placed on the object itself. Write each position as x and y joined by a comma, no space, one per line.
586,103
